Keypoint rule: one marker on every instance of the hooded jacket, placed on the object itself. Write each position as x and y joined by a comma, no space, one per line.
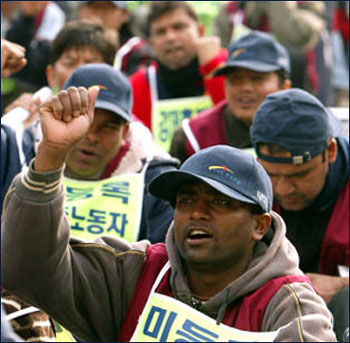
92,284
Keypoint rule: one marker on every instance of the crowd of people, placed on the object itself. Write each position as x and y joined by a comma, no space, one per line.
166,181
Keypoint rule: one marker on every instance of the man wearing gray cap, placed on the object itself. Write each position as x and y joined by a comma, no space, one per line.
256,66
300,144
219,277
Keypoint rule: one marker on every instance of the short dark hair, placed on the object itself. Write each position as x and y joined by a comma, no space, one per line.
254,208
80,33
274,149
283,76
158,8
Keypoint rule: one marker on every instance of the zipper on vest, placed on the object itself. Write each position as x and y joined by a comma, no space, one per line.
196,304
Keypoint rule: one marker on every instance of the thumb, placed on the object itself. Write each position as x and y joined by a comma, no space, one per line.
92,94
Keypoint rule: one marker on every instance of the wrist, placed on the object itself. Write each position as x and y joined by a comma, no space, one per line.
49,158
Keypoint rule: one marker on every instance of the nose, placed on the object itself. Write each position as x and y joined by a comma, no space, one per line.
246,83
200,210
170,34
92,134
283,185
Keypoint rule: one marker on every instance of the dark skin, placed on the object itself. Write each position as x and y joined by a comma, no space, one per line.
230,229
215,235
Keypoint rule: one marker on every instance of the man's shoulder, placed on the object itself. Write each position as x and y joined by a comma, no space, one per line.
203,116
139,79
140,76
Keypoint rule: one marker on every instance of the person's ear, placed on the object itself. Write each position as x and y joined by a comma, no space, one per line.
262,224
125,16
287,84
201,30
126,130
50,76
332,150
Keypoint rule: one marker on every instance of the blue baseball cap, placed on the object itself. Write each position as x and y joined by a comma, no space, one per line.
230,171
115,90
119,4
295,120
257,51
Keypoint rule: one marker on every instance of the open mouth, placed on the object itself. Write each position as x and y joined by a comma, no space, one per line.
87,153
246,102
196,236
173,50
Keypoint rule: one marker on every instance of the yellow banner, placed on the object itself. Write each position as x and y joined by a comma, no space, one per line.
165,319
62,334
109,207
167,115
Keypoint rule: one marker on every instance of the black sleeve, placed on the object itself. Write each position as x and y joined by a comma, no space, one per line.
10,162
178,144
157,214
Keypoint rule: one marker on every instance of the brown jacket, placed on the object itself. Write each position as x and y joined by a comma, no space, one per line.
87,286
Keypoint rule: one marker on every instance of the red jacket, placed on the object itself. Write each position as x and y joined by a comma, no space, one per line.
246,314
142,106
335,246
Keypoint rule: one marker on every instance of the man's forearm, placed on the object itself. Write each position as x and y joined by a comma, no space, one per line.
48,159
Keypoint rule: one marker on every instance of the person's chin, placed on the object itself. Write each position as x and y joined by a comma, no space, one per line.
82,171
292,206
177,63
244,115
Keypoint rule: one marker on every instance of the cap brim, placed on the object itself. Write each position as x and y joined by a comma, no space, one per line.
254,66
167,184
104,105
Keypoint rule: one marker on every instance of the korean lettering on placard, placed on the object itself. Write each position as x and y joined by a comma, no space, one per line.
162,324
189,332
93,219
76,193
171,120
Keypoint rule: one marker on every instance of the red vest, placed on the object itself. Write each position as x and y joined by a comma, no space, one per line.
335,245
208,127
245,314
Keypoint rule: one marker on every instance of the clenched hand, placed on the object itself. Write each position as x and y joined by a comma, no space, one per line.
65,120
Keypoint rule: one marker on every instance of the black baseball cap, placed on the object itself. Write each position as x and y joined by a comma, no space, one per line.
295,120
115,90
230,171
257,51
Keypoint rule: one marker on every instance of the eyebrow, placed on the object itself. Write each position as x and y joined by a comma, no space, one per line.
296,173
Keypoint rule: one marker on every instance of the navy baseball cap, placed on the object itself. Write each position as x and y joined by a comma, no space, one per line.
295,120
257,51
230,171
115,90
119,4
